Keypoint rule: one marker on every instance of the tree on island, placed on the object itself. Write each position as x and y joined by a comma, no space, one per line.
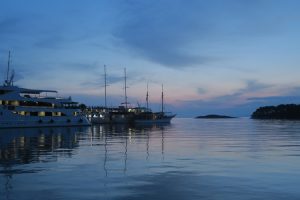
288,111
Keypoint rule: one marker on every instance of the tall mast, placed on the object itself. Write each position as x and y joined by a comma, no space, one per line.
147,98
8,63
162,98
125,89
105,84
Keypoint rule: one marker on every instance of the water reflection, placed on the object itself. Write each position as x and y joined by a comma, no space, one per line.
116,138
189,159
33,145
29,145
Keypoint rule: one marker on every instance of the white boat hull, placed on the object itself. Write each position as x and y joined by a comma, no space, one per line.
16,121
43,123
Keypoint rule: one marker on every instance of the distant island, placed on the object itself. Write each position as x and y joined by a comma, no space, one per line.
283,111
214,117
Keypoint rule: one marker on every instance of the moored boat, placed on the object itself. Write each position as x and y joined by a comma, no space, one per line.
150,117
146,116
127,115
21,107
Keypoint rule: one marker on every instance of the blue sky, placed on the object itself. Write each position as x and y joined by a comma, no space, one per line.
223,57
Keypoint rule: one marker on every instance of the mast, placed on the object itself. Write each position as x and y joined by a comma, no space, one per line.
125,89
162,98
105,85
147,98
7,73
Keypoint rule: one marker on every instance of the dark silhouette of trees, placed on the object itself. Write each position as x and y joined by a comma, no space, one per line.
214,117
287,111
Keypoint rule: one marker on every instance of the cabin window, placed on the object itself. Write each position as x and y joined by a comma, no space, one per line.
21,113
48,114
44,104
4,91
42,114
57,114
7,103
34,113
27,103
14,103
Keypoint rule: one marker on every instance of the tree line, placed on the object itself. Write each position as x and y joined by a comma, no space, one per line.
283,111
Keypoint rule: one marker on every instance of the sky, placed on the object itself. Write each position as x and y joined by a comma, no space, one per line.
212,56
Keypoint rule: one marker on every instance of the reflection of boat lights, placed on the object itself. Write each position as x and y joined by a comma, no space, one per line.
22,141
59,139
41,140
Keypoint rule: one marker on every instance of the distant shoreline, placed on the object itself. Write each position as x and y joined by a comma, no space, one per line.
214,117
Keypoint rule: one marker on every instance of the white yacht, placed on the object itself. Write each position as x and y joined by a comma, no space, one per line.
20,107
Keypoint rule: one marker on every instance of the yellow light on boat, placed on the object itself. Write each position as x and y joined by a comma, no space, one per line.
15,103
42,114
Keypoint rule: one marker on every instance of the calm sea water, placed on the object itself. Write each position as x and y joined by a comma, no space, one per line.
188,159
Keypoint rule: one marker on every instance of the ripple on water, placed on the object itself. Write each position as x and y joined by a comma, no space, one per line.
188,159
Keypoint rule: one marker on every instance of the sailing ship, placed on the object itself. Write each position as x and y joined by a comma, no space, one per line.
146,116
21,107
126,115
113,115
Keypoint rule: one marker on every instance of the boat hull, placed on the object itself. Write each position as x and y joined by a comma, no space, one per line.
112,118
45,122
162,120
152,121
